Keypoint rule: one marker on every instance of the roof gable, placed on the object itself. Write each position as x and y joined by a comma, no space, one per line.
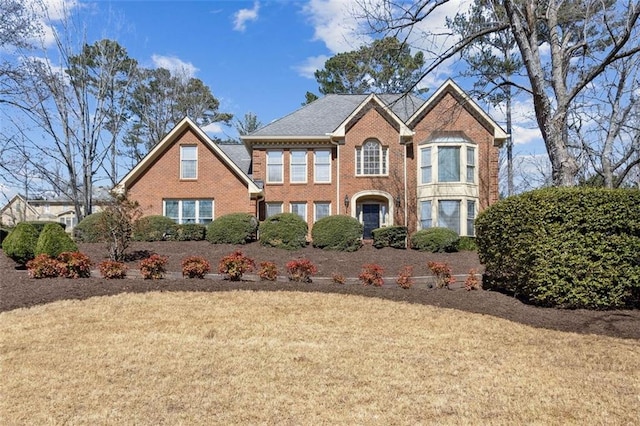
372,102
168,140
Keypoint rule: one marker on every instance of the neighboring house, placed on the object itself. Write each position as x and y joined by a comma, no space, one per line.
384,159
59,209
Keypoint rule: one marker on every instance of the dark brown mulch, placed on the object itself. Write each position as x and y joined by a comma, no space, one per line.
17,290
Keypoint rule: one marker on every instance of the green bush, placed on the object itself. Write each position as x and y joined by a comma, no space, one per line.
20,244
435,240
189,232
284,230
154,228
564,247
53,241
88,230
233,228
339,232
390,236
467,244
40,224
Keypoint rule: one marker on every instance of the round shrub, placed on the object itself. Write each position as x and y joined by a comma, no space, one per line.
564,247
154,228
284,230
233,228
20,244
53,240
390,236
188,232
88,230
339,232
40,224
435,240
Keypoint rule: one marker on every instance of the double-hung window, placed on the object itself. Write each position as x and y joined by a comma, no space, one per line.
298,170
274,167
471,165
300,209
322,166
425,165
448,164
189,211
273,209
449,215
322,209
425,214
371,159
188,162
471,216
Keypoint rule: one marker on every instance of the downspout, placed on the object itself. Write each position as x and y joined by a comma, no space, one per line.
337,145
406,187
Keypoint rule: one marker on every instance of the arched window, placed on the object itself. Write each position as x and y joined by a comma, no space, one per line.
371,159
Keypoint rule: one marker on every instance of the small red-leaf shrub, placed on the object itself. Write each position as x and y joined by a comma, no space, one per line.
43,266
442,273
195,267
234,265
338,278
472,282
153,267
301,270
74,264
404,279
111,269
372,275
268,271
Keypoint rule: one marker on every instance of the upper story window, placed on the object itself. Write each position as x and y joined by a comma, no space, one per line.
322,166
188,162
471,164
298,171
448,162
371,159
425,165
274,167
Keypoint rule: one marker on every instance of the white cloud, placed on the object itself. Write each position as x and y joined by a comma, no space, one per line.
243,15
175,65
310,65
214,128
335,25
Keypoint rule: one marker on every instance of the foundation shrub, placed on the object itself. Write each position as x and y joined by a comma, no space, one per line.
301,270
53,240
235,265
111,270
467,244
564,247
20,244
88,229
154,228
372,275
233,228
390,236
285,230
435,240
338,232
153,267
268,271
195,267
43,266
74,265
189,232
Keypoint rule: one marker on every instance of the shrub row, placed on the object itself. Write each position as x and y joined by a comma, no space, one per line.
565,247
25,242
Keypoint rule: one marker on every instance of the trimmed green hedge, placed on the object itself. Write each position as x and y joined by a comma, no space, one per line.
390,236
564,247
435,240
20,244
338,232
88,230
53,240
284,230
188,232
233,228
40,224
154,228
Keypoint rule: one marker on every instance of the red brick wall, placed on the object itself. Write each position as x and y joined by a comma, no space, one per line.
215,180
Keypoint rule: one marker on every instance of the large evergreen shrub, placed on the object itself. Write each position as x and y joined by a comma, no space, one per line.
338,232
20,244
284,230
154,228
189,232
40,224
233,228
88,229
390,236
53,240
435,240
565,247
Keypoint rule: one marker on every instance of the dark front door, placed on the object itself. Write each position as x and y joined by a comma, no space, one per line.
370,219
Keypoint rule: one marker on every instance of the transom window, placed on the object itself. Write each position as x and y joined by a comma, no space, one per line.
189,211
371,159
298,169
188,162
274,167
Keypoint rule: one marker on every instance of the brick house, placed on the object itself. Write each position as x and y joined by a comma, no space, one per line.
384,159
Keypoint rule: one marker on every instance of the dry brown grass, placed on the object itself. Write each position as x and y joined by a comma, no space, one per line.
302,358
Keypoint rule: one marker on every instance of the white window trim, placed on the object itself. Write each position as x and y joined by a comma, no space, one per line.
182,160
300,203
464,212
383,152
315,166
267,177
197,207
452,142
315,209
306,170
273,203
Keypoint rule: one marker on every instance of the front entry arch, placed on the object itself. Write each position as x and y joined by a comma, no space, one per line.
374,209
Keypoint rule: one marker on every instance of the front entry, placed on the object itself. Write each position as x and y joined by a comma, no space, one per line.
370,219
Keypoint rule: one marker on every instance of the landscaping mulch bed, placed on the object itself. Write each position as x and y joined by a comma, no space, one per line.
17,290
